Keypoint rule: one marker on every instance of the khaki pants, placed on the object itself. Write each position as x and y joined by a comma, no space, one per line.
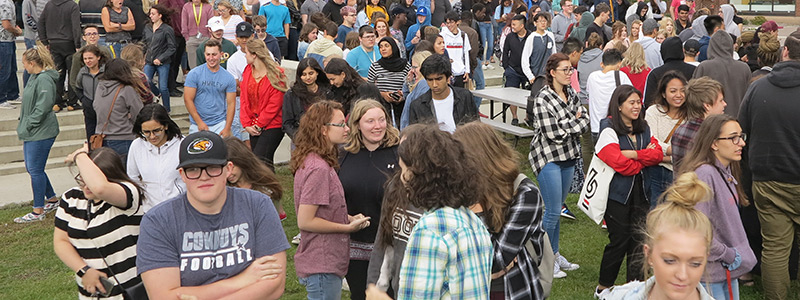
778,207
191,49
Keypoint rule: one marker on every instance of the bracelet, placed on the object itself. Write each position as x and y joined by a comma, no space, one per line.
75,157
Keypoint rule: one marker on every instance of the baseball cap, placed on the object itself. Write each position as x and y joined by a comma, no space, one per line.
691,46
244,29
423,11
649,25
398,10
203,148
770,26
215,23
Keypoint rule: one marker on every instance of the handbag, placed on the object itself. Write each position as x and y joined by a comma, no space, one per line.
548,258
594,194
96,140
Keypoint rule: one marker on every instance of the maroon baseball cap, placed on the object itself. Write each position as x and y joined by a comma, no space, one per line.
770,26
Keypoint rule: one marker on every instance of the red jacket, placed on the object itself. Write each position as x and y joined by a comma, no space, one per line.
269,104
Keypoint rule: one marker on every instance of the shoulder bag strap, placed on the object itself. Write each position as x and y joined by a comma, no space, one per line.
111,109
616,78
673,130
89,215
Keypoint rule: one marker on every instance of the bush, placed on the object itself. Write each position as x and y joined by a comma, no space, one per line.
758,20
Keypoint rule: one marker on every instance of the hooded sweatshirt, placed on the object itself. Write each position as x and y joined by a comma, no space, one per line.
37,121
412,32
768,115
732,74
579,32
589,62
457,47
60,21
727,16
672,54
123,114
651,51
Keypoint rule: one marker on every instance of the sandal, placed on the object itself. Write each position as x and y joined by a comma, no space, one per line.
30,217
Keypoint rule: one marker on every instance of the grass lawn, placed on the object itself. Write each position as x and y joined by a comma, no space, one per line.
32,271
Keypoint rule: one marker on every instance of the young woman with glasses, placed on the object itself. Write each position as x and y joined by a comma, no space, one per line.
153,156
715,157
97,224
555,149
322,214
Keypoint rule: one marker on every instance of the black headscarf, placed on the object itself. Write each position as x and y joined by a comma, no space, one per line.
393,63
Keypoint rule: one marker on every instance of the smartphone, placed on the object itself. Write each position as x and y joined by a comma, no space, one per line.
108,285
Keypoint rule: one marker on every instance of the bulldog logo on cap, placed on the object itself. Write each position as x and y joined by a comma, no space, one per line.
201,145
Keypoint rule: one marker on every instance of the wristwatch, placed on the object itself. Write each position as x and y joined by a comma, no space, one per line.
82,271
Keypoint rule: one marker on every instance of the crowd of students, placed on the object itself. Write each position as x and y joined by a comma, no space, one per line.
392,186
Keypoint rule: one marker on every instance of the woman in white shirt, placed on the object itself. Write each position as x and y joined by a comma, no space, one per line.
153,157
663,117
230,18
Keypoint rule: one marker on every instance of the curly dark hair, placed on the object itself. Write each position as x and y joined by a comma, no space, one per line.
164,11
441,173
310,138
436,64
300,89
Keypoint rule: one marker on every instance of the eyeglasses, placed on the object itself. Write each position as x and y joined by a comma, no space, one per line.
79,180
91,33
736,138
195,172
340,125
155,132
566,70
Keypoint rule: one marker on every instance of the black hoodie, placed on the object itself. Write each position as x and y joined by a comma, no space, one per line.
672,54
60,21
769,117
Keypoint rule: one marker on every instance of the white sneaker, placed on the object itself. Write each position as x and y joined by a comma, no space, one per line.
6,105
565,265
485,67
296,239
600,294
491,67
345,286
16,101
557,273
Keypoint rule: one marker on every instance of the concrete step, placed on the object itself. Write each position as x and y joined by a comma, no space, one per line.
19,167
65,118
67,132
10,154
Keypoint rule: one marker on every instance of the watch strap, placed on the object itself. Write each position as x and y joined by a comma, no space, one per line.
82,271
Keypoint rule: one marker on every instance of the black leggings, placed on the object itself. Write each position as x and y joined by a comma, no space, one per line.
265,144
357,278
625,237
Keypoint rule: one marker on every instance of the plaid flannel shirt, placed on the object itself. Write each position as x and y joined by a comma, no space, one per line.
557,129
682,140
524,224
448,256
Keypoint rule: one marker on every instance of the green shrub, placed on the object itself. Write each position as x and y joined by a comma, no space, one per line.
758,20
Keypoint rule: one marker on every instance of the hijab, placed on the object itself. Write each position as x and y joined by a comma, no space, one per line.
393,63
727,16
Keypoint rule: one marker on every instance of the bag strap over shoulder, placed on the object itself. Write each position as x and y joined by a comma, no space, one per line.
519,180
616,78
111,109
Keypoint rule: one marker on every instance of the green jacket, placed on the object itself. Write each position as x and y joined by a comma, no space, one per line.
37,121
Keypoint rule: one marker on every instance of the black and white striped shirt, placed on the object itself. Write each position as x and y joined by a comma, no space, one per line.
112,230
385,80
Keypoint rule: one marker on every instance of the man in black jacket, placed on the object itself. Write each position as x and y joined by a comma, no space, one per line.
672,54
444,104
60,31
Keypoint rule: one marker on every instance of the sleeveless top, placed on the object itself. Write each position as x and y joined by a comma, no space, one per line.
118,17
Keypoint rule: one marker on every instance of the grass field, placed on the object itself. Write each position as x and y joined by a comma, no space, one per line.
32,271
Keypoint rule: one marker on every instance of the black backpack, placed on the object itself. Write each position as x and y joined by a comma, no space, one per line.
535,87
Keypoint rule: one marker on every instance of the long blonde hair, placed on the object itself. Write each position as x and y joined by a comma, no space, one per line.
40,56
498,174
354,142
663,26
634,58
418,58
275,73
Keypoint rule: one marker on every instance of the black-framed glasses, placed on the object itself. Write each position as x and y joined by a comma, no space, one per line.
155,132
340,125
736,138
566,70
196,172
79,180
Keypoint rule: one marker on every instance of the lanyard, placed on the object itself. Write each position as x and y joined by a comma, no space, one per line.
197,17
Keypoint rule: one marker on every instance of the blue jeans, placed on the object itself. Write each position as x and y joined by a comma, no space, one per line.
121,147
116,49
163,78
323,286
719,290
29,43
480,82
35,154
554,182
659,179
487,39
9,86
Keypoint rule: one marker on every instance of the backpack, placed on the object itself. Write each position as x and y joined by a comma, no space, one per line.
544,265
535,87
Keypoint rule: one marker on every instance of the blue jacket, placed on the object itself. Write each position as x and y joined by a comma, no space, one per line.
412,32
703,54
621,186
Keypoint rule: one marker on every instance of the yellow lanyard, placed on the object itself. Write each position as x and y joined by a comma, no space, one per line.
197,17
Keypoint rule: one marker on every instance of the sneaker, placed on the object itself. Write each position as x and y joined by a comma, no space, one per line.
282,216
598,294
30,217
50,206
6,105
296,239
491,67
565,265
15,101
345,286
485,67
566,213
557,273
514,122
603,225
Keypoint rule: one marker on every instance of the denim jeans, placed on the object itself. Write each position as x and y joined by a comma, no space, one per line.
323,286
487,39
719,290
121,147
163,78
9,87
35,154
480,83
29,43
659,179
554,182
116,49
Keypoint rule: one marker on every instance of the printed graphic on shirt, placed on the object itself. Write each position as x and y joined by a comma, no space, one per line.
217,249
403,223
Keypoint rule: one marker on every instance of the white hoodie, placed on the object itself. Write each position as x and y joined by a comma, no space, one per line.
457,46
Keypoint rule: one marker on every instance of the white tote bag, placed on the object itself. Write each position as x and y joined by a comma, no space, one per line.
594,194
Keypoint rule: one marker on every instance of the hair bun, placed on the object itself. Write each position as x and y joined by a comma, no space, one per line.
688,190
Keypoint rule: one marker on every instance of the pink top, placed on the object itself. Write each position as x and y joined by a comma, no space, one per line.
194,18
316,183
